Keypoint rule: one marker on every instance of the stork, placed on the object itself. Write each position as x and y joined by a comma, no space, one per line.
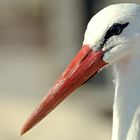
112,37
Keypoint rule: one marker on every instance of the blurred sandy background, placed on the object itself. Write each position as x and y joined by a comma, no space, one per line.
37,41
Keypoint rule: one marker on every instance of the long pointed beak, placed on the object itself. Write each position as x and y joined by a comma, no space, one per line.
86,64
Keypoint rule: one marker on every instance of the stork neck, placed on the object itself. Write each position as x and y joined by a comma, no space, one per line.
127,96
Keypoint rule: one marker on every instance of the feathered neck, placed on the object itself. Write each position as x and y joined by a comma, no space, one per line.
127,97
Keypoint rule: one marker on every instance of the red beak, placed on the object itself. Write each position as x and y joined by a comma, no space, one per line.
86,64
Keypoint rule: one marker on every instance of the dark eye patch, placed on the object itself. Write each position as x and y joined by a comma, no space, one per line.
115,29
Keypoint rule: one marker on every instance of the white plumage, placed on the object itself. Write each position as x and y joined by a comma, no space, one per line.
125,56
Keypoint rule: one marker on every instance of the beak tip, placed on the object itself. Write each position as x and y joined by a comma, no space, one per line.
23,131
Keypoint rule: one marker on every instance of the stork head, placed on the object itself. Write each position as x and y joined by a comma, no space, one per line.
108,38
115,30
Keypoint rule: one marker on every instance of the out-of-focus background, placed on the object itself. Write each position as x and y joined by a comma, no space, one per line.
37,41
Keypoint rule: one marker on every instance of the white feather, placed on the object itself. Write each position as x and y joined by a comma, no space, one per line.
125,55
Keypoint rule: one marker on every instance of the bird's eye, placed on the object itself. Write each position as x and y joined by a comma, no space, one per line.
116,29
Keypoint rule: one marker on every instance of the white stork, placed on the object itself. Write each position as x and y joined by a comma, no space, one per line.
112,37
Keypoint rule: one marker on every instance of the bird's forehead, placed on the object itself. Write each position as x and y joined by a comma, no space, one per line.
103,20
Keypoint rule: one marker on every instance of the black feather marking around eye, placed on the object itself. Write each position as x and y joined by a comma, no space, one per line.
115,29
